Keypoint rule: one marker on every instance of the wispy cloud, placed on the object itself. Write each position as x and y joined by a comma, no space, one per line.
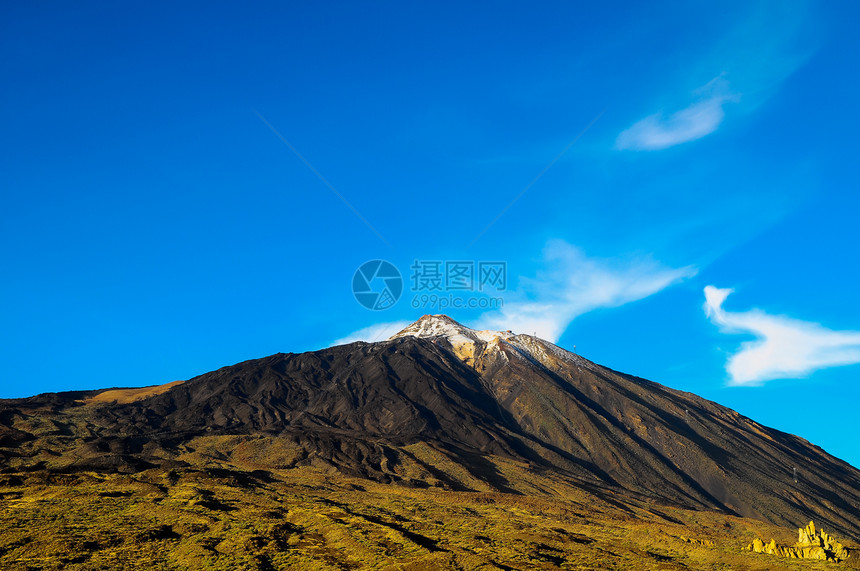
784,348
568,285
375,332
700,118
572,284
767,44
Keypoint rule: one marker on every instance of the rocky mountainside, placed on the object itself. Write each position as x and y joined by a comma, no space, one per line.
441,405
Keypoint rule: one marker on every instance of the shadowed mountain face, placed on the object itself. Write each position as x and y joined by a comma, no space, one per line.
442,405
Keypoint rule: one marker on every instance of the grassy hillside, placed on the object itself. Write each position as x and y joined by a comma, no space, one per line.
228,516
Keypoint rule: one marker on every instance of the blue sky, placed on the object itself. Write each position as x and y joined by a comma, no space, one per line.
155,225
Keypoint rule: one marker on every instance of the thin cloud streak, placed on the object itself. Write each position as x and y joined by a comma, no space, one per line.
784,348
375,332
765,47
321,177
699,119
537,178
573,284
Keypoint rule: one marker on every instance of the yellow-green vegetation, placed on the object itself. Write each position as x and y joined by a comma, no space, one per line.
123,396
228,516
399,455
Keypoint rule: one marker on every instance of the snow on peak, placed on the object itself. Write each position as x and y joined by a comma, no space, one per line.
468,343
465,342
444,326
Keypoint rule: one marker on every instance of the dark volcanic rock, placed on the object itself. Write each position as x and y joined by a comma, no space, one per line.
404,390
470,396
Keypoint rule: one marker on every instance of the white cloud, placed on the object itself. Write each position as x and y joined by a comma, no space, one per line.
376,332
569,285
701,118
784,348
573,284
767,43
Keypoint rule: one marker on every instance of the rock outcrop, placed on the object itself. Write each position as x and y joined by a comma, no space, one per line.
811,544
696,541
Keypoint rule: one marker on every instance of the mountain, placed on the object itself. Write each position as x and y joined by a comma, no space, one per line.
439,399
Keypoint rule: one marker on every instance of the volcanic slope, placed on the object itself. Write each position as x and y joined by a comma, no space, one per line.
443,406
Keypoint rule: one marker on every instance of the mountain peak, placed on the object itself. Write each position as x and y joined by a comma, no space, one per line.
474,347
443,405
443,326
